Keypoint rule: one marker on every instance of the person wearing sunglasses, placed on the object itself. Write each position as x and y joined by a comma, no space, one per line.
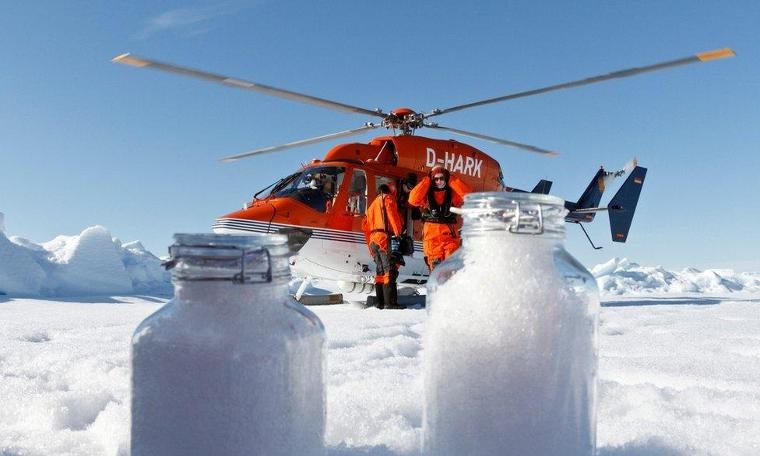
435,195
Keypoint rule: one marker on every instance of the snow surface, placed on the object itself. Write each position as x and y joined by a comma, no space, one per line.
678,376
679,356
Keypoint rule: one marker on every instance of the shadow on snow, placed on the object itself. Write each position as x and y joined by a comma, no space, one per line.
89,299
674,301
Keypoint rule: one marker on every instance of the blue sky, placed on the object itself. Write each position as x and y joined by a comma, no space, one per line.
85,142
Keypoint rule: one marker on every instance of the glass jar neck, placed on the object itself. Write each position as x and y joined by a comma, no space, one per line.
234,259
512,215
229,294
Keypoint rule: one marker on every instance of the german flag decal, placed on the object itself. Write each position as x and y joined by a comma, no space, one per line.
637,180
620,235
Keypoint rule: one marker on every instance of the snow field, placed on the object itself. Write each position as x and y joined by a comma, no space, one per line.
374,387
678,368
681,379
675,379
64,375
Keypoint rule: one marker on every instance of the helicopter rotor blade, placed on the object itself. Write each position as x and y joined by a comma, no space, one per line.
303,142
492,139
133,60
701,57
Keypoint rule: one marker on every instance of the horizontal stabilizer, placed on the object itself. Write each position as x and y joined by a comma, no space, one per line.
623,205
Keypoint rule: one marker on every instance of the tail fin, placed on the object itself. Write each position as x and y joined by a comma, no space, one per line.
543,186
589,199
623,205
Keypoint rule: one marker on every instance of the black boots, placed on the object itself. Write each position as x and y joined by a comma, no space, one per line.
390,291
386,297
380,296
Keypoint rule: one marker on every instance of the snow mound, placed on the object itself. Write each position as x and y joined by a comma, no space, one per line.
91,263
623,277
20,269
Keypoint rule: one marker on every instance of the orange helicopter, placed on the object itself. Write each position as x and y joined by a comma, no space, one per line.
321,205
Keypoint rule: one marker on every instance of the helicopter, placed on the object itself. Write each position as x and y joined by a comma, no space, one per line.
321,205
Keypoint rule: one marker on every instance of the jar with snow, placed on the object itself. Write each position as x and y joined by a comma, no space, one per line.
510,350
231,365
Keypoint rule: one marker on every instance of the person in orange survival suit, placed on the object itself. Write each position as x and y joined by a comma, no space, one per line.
383,221
435,195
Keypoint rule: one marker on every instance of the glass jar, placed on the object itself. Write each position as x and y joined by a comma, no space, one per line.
510,350
232,365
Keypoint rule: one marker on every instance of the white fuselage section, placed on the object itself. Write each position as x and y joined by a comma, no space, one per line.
332,254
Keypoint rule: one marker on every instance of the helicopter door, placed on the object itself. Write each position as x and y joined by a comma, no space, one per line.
350,209
410,228
357,193
393,184
380,180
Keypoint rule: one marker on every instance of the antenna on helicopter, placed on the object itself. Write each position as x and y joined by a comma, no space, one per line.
404,120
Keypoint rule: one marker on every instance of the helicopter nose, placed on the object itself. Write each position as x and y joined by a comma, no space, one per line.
254,219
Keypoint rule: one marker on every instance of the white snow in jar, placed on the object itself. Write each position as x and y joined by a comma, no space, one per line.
510,355
230,369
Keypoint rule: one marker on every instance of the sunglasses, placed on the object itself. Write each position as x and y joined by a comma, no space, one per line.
439,178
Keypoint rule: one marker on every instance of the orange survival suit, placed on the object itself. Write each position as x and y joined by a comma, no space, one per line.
383,221
439,231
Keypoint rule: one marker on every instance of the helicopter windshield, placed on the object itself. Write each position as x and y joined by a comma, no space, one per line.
315,187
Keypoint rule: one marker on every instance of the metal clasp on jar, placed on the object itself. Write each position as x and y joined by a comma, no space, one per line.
529,222
242,277
265,276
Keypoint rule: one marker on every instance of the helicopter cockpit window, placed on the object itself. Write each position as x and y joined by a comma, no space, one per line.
315,187
357,193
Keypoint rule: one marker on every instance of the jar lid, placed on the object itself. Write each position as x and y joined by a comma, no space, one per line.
515,212
227,240
239,258
480,199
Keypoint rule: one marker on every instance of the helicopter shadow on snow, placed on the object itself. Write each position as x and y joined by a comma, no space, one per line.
158,299
652,447
379,450
668,301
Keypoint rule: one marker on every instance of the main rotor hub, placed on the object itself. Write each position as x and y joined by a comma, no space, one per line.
404,119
